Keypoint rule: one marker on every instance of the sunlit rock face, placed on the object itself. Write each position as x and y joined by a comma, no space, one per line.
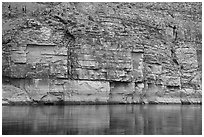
102,52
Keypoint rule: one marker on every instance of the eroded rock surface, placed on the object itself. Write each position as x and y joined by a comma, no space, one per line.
102,52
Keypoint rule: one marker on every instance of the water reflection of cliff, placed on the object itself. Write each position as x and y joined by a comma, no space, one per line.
154,119
102,119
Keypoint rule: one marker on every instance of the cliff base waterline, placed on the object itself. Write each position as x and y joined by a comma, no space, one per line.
67,92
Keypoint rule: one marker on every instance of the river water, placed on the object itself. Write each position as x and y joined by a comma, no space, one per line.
102,119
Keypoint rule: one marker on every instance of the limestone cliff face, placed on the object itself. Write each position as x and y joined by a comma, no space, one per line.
102,52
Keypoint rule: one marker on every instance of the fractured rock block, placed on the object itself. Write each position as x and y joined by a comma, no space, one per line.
187,56
88,64
172,81
18,57
49,98
83,90
17,70
121,92
156,69
36,53
151,78
12,94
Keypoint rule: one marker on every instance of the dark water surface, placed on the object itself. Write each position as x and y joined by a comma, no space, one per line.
102,119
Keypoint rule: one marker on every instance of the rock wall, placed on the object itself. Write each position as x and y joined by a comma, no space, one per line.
102,52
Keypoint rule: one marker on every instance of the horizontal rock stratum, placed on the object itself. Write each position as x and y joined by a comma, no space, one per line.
101,53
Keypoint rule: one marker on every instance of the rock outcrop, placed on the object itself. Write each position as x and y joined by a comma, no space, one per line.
102,52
